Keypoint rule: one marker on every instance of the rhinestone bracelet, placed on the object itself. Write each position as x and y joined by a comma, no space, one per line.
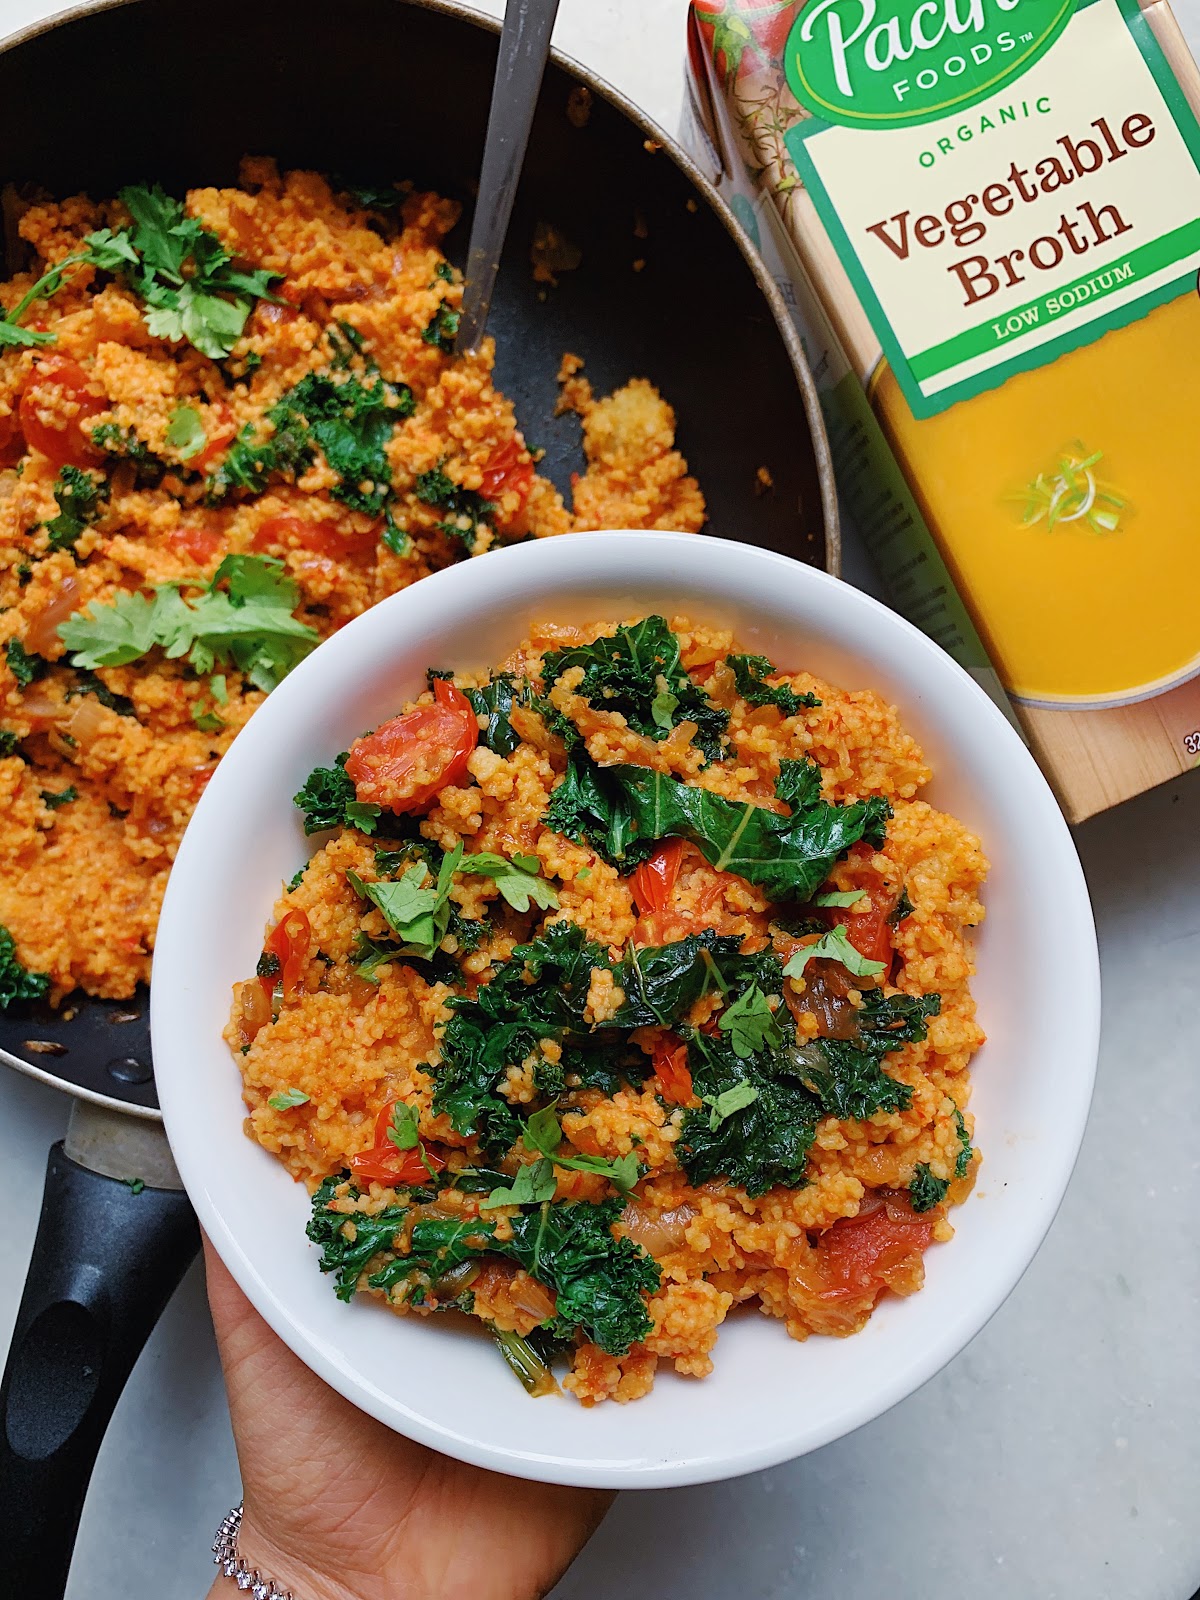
225,1556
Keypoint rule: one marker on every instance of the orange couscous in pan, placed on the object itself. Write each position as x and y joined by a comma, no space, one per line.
228,426
627,985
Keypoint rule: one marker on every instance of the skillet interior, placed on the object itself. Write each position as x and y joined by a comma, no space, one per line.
377,89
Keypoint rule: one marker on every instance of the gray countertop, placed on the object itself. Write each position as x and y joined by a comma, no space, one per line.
1055,1459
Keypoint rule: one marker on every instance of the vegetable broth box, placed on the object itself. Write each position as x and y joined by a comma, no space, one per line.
986,215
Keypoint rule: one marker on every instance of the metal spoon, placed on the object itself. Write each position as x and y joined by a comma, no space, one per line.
524,46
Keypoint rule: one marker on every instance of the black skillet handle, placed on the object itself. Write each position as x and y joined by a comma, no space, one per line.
105,1263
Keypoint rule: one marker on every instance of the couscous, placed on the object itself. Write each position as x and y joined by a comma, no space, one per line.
628,985
227,426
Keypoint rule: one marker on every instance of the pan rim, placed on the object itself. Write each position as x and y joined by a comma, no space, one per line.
672,147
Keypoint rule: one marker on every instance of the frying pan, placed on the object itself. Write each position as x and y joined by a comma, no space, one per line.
367,90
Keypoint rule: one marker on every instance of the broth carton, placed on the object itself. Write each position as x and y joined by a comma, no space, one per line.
986,214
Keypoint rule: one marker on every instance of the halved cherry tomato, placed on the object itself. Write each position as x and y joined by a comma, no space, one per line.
866,1253
404,764
866,923
506,473
220,431
653,884
197,540
386,1163
672,1071
56,403
323,538
12,440
289,940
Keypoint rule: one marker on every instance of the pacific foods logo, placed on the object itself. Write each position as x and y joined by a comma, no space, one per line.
894,63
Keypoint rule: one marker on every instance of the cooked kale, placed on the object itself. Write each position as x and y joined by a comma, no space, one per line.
638,672
16,984
442,327
749,675
80,498
599,1281
962,1162
88,683
349,419
63,797
10,743
926,1191
465,509
124,445
622,811
903,908
663,982
329,800
496,702
23,664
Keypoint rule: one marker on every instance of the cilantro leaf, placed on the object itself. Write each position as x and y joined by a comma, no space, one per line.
534,1182
250,626
750,1024
16,984
285,1099
840,897
749,675
181,271
519,886
926,1191
185,432
404,1128
638,672
728,1101
80,500
416,906
834,946
622,811
543,1135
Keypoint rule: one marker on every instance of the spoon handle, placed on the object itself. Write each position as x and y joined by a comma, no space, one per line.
524,46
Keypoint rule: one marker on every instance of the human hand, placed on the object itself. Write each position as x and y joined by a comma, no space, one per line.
338,1507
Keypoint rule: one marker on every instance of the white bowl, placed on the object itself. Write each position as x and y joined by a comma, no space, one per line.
770,1398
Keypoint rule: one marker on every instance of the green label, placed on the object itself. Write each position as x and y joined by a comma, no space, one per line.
994,239
897,63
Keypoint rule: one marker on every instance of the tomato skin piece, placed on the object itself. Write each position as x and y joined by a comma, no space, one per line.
220,432
672,1071
386,1163
198,542
859,1255
866,923
322,537
288,941
506,473
68,444
437,740
653,884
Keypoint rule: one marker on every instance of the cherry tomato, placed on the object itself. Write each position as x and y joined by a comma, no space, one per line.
289,940
404,764
507,473
672,1071
653,884
56,403
220,431
866,922
198,541
386,1163
864,1254
12,440
322,538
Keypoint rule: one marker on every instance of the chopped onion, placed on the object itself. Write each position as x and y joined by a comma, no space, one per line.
658,1232
42,633
253,1010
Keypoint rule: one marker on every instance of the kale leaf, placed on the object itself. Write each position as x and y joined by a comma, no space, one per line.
16,984
638,672
24,665
496,702
663,982
123,444
442,327
926,1191
846,1074
80,499
621,811
599,1280
749,675
465,509
350,420
329,800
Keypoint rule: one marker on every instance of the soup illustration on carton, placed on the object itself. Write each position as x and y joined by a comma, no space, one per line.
988,214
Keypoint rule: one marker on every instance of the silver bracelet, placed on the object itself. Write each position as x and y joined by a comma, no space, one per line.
225,1556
